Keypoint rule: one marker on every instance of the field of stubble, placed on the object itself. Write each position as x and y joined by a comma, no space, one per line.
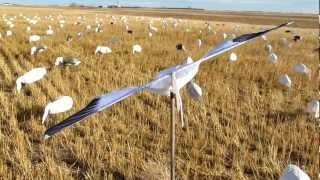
246,125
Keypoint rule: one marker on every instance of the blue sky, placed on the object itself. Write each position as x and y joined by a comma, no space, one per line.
305,6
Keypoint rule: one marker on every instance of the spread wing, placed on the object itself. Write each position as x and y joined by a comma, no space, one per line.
97,104
227,45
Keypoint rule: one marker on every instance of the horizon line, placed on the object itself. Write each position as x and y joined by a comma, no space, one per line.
154,7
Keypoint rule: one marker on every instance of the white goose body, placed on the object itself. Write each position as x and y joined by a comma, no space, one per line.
61,104
199,43
314,108
293,172
163,86
301,69
272,58
49,32
233,57
34,38
103,50
9,33
30,77
285,80
136,49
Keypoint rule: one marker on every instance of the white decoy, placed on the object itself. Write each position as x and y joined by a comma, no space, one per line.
167,82
9,33
268,48
293,172
88,27
233,57
199,43
314,108
67,61
103,50
38,49
62,21
136,49
59,105
301,69
272,58
209,28
150,34
127,27
225,36
28,29
50,31
32,76
34,38
285,80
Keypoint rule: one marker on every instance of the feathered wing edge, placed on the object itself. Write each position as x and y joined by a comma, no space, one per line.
97,104
227,45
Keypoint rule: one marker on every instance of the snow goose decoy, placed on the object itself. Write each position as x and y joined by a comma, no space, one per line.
67,61
32,76
28,29
268,48
224,35
301,69
293,172
285,80
166,82
272,58
9,33
34,38
199,43
38,49
103,50
136,49
50,31
233,57
59,105
314,108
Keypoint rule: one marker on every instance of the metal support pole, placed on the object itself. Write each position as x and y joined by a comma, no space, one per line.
173,133
173,123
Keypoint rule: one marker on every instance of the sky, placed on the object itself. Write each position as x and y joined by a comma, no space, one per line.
300,6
